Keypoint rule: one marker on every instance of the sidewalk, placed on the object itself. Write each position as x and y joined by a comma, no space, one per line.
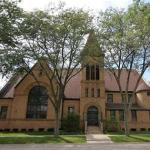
98,138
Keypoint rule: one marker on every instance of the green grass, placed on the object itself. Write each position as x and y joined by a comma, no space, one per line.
24,138
16,134
132,138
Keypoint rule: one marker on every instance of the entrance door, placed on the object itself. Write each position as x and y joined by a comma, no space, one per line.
92,116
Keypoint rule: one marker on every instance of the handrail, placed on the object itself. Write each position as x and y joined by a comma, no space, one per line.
85,127
100,123
102,127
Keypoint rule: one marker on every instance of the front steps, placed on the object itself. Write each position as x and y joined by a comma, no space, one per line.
95,135
93,130
97,138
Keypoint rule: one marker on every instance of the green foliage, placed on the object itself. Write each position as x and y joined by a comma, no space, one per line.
59,37
111,125
71,123
10,17
124,36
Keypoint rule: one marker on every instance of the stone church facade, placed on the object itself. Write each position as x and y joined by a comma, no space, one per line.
93,94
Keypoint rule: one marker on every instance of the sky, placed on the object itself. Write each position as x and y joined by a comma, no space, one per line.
95,5
29,5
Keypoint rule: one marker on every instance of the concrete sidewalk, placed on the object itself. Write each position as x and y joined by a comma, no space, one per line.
98,138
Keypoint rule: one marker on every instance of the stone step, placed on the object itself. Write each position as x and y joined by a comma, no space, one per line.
93,130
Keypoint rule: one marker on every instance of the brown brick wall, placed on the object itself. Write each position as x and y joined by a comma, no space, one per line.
16,115
71,103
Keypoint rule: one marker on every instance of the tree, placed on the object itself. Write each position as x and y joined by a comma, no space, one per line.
139,18
125,47
55,40
10,16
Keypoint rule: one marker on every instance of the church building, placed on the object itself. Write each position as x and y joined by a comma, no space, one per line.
93,94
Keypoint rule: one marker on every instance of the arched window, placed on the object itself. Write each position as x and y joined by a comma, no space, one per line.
37,103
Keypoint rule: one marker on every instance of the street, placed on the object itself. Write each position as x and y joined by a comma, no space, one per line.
144,146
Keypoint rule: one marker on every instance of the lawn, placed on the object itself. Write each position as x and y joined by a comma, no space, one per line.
131,138
24,138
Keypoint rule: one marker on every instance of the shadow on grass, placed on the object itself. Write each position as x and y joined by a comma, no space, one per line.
36,133
39,133
22,140
42,139
65,140
139,138
131,138
25,140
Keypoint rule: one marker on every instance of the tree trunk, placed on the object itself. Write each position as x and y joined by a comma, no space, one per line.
57,124
58,111
126,115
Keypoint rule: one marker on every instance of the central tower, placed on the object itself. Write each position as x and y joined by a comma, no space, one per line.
92,98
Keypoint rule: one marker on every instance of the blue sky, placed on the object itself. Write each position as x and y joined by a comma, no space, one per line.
147,75
95,5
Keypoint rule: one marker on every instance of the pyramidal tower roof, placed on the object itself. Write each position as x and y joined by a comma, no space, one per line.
92,47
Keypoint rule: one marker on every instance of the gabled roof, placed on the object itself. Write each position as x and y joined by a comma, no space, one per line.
111,84
142,87
73,88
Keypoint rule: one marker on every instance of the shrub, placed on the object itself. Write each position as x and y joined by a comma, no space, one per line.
111,125
71,123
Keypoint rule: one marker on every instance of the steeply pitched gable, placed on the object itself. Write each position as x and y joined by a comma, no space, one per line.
92,47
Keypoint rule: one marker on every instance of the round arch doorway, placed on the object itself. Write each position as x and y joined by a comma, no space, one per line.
92,116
